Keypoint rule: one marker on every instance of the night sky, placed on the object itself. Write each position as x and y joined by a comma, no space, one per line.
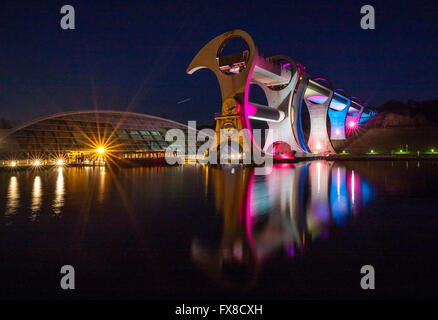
132,55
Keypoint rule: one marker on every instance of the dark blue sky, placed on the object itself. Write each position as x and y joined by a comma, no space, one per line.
133,54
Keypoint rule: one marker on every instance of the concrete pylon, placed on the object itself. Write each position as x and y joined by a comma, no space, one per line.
318,99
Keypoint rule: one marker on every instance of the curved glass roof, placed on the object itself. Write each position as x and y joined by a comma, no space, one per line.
85,130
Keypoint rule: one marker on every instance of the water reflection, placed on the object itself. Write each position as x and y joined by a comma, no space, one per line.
101,191
13,201
339,201
36,198
280,213
58,202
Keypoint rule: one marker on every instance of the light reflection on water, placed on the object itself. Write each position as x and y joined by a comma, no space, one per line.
184,226
58,202
36,198
284,209
281,212
48,191
13,199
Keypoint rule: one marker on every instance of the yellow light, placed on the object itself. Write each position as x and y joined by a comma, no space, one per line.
60,162
372,151
13,163
401,150
100,150
433,150
36,163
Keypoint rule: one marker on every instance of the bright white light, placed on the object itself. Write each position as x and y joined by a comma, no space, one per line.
338,132
235,70
351,124
100,150
13,163
60,162
318,145
37,163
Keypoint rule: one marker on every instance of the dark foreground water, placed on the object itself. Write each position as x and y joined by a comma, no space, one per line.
303,231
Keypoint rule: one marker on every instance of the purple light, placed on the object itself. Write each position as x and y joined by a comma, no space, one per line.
317,99
285,65
292,251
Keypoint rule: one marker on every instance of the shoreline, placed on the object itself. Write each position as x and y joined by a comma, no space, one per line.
338,157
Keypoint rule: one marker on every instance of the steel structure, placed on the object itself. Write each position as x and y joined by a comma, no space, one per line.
289,91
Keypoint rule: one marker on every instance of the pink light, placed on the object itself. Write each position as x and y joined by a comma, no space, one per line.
283,165
352,124
247,110
338,132
285,65
287,155
252,110
317,99
250,212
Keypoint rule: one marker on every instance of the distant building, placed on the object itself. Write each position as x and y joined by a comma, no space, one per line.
81,135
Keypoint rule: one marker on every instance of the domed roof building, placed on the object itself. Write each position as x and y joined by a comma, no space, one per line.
82,133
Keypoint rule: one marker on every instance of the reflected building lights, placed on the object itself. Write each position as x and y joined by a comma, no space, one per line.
13,201
339,201
352,187
318,165
318,211
101,188
284,211
36,198
206,180
58,202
